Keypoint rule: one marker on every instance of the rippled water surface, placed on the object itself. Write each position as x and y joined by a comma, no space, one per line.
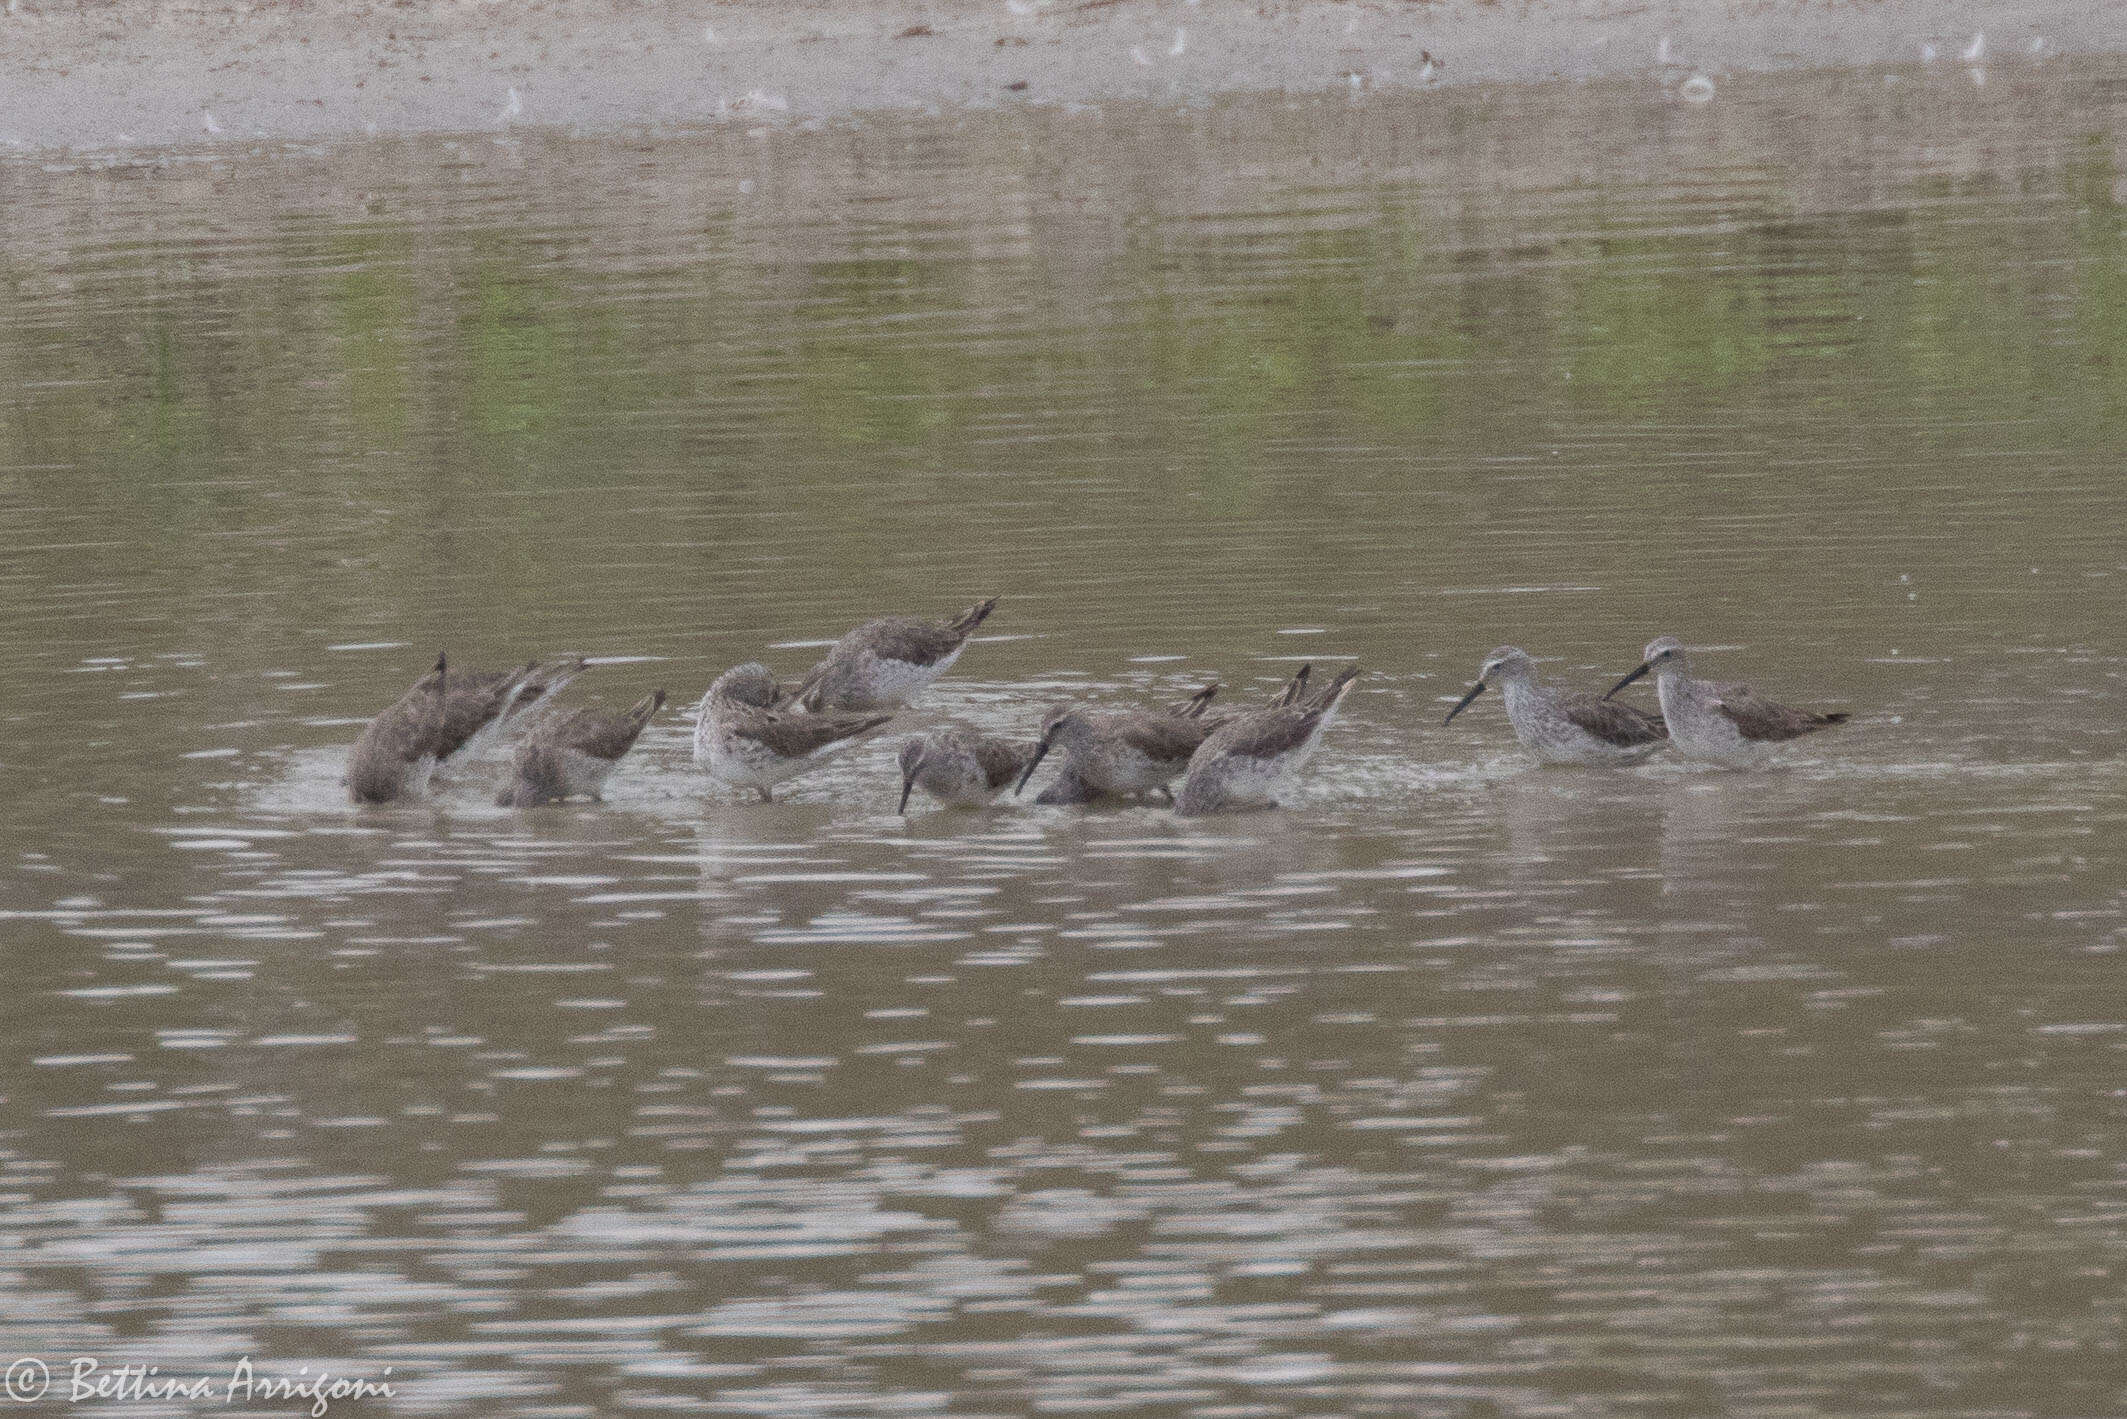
1460,1087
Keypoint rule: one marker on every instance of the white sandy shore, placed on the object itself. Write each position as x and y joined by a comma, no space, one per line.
126,73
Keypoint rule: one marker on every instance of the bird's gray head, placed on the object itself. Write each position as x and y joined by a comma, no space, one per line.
433,682
1509,662
1661,651
1061,725
1506,663
748,684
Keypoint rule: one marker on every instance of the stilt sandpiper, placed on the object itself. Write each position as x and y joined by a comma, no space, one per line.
960,768
1248,760
1565,726
883,664
1116,753
1720,723
572,754
397,751
742,738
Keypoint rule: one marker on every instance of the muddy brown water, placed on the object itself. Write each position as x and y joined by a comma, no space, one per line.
1459,1087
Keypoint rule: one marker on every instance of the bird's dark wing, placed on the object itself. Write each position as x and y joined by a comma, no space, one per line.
1197,703
1267,733
546,678
596,732
908,639
475,698
404,731
1164,737
793,736
964,624
1614,721
1001,761
1326,698
411,725
1767,722
563,729
900,638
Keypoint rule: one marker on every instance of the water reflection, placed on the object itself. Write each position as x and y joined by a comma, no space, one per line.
1460,1087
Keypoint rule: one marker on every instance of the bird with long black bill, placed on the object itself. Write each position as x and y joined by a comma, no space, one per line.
1564,726
1120,753
960,768
1721,723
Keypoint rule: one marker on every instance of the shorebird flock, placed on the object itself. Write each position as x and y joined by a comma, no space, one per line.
753,731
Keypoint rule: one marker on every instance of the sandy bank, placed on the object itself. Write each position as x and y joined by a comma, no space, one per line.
150,72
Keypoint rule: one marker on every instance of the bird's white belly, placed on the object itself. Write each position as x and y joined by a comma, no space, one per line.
1129,771
705,740
1298,759
748,763
1545,732
1252,783
1700,731
418,773
893,683
485,736
1566,743
740,766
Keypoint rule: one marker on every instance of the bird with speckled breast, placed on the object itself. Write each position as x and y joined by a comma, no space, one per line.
1565,726
746,735
1720,723
1119,753
960,768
